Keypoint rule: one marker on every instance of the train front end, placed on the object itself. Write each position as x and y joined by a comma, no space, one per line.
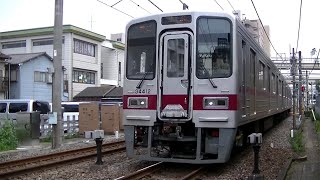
180,101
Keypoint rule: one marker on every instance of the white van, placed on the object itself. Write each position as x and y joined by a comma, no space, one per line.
9,107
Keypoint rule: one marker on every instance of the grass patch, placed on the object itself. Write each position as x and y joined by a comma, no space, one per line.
72,135
8,136
297,142
47,138
317,122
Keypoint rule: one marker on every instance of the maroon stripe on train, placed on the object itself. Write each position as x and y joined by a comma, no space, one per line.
179,99
152,101
198,101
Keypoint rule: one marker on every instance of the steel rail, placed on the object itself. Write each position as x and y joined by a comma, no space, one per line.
193,174
26,165
142,172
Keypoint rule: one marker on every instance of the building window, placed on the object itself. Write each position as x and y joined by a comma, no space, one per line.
85,48
83,76
119,39
101,70
13,75
119,68
39,76
65,83
43,42
15,44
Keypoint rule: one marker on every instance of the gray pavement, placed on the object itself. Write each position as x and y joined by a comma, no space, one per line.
309,169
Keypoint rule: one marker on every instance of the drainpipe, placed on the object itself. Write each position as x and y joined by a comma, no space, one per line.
9,79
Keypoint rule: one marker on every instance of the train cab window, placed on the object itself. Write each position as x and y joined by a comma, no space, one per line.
213,48
141,51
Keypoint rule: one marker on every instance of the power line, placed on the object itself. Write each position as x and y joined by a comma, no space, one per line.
234,9
265,30
115,8
155,5
299,26
140,6
219,5
116,3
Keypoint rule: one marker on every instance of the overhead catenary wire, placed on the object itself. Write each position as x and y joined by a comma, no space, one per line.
219,5
299,27
234,11
140,6
115,8
116,3
265,31
155,5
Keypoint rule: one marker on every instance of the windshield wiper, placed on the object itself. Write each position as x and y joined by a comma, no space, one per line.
141,81
208,77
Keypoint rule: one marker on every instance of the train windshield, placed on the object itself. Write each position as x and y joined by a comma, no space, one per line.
141,51
213,48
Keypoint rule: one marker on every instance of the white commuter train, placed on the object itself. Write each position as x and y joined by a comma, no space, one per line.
196,84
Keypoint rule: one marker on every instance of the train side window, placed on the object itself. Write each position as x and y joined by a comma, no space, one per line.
268,79
261,75
273,82
3,107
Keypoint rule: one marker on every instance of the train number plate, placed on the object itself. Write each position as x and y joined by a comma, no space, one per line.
142,91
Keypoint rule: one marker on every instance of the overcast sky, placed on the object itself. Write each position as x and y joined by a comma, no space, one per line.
281,15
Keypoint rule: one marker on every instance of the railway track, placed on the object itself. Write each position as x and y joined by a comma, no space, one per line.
27,165
149,170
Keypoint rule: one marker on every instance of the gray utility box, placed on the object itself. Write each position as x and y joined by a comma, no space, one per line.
28,126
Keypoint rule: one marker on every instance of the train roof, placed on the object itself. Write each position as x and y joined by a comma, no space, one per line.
194,15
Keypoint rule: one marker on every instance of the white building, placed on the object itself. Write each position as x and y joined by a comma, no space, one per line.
112,63
81,53
258,33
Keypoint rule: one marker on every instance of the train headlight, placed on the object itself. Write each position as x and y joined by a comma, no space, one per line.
137,102
215,102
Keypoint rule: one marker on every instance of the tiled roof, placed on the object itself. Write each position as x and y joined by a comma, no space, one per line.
95,91
21,58
115,92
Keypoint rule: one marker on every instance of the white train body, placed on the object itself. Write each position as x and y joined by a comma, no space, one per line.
195,85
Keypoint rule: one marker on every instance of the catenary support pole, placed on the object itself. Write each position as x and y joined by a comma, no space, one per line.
300,85
293,90
57,76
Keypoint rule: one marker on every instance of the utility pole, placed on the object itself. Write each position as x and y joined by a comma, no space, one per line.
307,89
293,73
57,75
300,85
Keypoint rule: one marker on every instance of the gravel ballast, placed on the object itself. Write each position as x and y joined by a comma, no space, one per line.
274,154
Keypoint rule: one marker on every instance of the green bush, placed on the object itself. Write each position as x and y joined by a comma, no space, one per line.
8,137
297,142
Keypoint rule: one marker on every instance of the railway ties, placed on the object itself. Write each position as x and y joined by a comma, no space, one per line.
161,167
27,165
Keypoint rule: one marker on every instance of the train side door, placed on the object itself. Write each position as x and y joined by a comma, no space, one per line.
175,90
244,103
